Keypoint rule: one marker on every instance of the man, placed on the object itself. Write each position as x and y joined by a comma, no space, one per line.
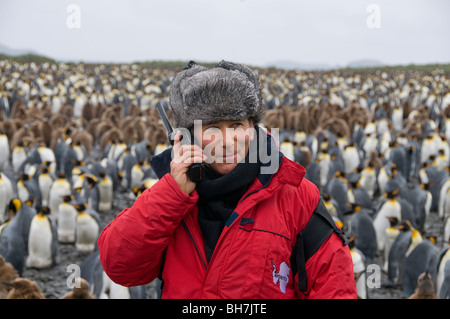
240,231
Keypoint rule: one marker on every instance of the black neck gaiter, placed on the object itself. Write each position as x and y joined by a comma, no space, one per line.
219,196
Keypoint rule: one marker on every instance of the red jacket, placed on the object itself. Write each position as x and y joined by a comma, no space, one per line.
252,256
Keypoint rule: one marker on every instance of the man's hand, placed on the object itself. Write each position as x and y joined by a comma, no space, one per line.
183,157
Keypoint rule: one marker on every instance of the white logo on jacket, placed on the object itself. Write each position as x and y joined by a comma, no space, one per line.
281,276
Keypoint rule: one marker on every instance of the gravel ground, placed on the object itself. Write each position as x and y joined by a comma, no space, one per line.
53,281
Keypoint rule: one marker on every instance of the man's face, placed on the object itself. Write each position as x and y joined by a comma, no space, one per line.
225,143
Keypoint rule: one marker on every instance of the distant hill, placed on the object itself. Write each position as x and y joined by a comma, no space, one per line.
24,55
292,65
14,52
365,64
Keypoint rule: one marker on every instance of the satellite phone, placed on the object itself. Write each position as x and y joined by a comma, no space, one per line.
195,171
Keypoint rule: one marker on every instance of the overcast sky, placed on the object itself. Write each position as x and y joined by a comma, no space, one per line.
257,32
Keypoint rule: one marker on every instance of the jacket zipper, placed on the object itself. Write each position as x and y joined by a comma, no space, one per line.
195,244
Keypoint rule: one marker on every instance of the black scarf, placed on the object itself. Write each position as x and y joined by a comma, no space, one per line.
218,197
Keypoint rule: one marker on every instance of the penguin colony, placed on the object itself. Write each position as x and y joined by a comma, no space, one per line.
375,143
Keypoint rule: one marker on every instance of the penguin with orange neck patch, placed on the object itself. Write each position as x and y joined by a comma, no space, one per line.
12,242
42,241
390,207
67,214
359,269
59,188
6,194
361,228
87,228
105,192
404,243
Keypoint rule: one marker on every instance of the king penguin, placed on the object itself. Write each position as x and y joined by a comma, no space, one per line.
423,258
28,190
91,191
146,184
19,156
287,148
427,149
416,237
397,255
47,156
60,188
313,172
359,269
4,151
160,148
397,118
361,228
12,243
368,179
441,161
105,193
6,194
137,174
42,241
392,233
87,229
67,215
405,242
388,208
435,180
337,188
45,181
125,165
382,178
332,205
370,143
352,158
356,193
420,198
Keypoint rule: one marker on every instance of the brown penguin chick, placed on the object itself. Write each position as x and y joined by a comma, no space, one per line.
425,288
23,288
80,290
7,273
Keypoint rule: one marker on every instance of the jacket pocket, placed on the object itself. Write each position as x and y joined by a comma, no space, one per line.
268,271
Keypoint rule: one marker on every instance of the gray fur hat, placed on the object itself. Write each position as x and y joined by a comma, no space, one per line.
229,91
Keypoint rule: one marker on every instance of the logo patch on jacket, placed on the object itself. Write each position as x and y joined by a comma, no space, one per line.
282,276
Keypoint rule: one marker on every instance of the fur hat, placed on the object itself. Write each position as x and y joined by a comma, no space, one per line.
229,91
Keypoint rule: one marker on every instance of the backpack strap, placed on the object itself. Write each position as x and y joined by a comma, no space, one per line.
319,227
